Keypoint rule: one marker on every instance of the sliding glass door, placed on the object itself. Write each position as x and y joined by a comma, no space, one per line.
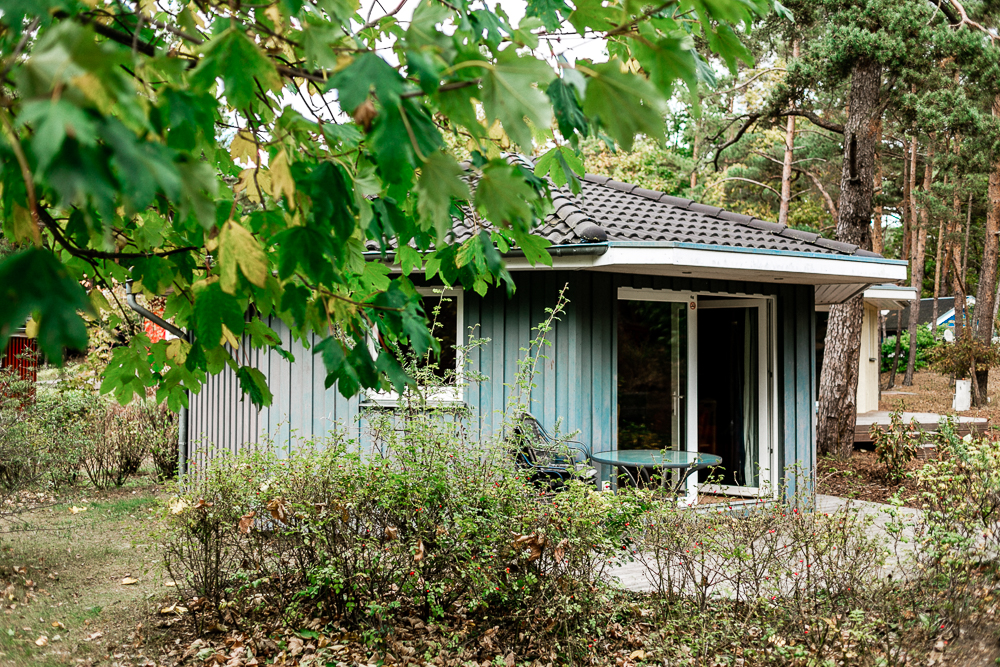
695,374
733,394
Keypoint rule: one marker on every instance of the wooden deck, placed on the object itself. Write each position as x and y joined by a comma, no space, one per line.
927,420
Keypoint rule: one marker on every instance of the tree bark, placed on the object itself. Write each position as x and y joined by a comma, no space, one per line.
938,253
786,167
839,378
917,263
905,251
878,244
982,320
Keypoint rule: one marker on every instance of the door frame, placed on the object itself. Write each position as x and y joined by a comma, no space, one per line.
691,407
767,380
767,410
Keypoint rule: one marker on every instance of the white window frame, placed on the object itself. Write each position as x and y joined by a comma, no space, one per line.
437,395
768,378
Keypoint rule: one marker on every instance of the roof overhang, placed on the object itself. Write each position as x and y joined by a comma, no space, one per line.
890,297
837,277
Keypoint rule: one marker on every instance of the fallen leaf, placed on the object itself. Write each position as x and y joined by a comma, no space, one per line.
76,510
560,552
173,609
277,509
419,556
246,521
128,581
509,660
58,624
391,533
637,655
177,505
20,569
203,504
42,641
170,584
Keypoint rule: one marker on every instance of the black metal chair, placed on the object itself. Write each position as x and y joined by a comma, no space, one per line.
548,461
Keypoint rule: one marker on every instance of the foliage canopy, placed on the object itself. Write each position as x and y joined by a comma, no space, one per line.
240,157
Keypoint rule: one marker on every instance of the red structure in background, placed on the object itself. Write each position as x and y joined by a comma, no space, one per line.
21,356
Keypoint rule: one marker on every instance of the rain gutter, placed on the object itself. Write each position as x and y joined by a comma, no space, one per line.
595,249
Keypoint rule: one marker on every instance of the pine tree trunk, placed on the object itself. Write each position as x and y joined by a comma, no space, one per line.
878,244
917,265
938,252
786,167
839,379
982,321
905,204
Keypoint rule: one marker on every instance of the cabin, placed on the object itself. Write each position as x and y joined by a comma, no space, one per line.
880,301
689,327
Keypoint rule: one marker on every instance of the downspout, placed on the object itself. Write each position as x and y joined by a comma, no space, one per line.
182,415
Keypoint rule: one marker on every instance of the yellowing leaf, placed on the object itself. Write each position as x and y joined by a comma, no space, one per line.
177,350
239,249
249,181
244,147
24,227
281,179
178,505
42,641
99,301
31,328
58,624
228,336
129,581
77,510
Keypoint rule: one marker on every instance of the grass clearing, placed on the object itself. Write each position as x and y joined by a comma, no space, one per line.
62,573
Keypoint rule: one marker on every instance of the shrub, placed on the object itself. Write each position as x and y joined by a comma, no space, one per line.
927,342
957,358
117,444
20,461
64,419
896,445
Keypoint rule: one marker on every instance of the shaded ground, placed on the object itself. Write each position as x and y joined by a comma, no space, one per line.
863,478
65,576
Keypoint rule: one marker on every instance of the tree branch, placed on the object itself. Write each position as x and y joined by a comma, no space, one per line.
747,180
86,253
814,119
830,205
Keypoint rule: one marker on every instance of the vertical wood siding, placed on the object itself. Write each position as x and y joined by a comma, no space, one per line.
576,383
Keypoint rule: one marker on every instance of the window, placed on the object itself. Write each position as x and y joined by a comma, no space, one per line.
444,310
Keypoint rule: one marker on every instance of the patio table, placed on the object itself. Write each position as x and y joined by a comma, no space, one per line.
686,462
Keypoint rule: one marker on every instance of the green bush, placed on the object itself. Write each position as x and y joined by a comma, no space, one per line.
927,342
896,445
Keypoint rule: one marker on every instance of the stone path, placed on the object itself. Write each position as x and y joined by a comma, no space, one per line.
633,576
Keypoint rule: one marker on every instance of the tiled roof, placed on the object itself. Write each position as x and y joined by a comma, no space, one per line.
608,210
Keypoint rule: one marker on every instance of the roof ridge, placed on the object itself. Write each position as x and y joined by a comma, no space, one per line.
567,208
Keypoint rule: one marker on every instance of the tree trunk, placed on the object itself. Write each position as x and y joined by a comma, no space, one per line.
878,244
786,167
917,264
905,250
694,157
838,389
938,251
982,320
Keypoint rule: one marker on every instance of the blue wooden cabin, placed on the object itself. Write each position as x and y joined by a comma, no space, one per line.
688,327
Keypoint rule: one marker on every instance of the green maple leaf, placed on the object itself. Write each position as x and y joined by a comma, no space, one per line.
667,60
54,120
240,64
510,93
503,197
367,71
440,180
212,309
626,104
562,165
569,115
254,384
34,281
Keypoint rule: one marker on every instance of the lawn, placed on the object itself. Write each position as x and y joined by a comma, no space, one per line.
66,569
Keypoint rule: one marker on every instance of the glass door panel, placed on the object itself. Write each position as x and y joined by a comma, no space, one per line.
652,374
732,394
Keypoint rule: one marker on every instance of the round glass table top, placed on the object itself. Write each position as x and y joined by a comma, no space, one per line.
656,458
